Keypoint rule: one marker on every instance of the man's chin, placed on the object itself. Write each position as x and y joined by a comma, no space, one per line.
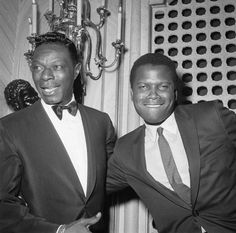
154,120
51,101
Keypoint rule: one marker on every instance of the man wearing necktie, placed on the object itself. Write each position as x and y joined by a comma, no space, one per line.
182,161
53,153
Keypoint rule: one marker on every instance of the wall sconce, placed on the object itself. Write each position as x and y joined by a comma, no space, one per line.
74,21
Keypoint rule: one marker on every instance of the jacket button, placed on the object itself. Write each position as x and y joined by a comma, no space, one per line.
195,213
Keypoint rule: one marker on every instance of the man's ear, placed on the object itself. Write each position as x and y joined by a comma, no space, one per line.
131,94
176,94
77,70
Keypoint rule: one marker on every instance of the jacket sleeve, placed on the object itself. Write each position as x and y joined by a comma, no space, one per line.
110,137
15,216
228,119
116,178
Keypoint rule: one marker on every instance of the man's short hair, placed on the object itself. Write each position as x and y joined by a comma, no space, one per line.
59,38
153,59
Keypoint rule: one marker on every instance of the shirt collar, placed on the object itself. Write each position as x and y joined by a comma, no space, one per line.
169,125
48,107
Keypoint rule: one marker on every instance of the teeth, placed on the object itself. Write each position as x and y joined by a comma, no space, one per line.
49,91
153,105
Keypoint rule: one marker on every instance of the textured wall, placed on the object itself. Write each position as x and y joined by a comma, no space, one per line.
199,35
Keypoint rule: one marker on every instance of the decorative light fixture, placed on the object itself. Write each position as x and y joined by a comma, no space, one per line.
74,21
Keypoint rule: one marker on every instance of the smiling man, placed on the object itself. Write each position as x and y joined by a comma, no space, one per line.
182,161
54,60
53,153
153,90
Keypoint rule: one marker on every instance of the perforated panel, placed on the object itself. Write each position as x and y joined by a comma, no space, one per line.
199,35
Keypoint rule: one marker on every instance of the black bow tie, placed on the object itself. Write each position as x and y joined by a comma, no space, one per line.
72,109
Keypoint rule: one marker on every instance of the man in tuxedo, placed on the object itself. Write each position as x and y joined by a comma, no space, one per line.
182,161
53,154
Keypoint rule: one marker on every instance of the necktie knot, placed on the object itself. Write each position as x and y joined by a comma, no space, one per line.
160,131
72,108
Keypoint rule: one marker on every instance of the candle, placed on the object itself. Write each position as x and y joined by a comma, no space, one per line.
34,17
119,22
50,5
79,10
30,26
30,31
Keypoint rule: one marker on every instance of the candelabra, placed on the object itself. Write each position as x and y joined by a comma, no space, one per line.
74,21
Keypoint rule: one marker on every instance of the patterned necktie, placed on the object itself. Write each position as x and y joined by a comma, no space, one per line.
72,109
171,170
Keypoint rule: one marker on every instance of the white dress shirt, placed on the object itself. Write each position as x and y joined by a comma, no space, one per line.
153,158
71,132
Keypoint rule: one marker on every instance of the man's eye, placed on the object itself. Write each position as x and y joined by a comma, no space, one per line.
142,87
58,67
36,68
163,86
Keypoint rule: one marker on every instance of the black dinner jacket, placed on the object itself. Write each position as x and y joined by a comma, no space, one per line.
208,132
39,188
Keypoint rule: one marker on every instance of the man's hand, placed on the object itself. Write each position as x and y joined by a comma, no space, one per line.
82,225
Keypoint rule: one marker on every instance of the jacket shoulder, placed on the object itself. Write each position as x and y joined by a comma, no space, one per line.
23,113
201,109
131,137
207,114
201,105
92,111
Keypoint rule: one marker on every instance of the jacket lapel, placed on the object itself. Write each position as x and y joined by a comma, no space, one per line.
90,142
58,154
138,150
140,166
65,160
189,136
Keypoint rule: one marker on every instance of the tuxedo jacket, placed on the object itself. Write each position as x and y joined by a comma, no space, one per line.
208,131
39,187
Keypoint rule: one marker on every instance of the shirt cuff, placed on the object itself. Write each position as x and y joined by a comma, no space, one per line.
61,229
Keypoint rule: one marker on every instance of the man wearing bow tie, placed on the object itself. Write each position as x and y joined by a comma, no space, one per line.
53,154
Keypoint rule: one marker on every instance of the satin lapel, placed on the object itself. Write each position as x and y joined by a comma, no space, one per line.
189,136
90,143
138,151
142,173
58,154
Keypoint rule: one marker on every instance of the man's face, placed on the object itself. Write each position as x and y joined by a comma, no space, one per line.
153,92
53,73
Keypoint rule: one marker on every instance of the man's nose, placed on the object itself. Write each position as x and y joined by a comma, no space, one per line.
47,74
154,93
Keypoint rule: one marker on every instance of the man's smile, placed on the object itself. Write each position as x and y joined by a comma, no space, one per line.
48,90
